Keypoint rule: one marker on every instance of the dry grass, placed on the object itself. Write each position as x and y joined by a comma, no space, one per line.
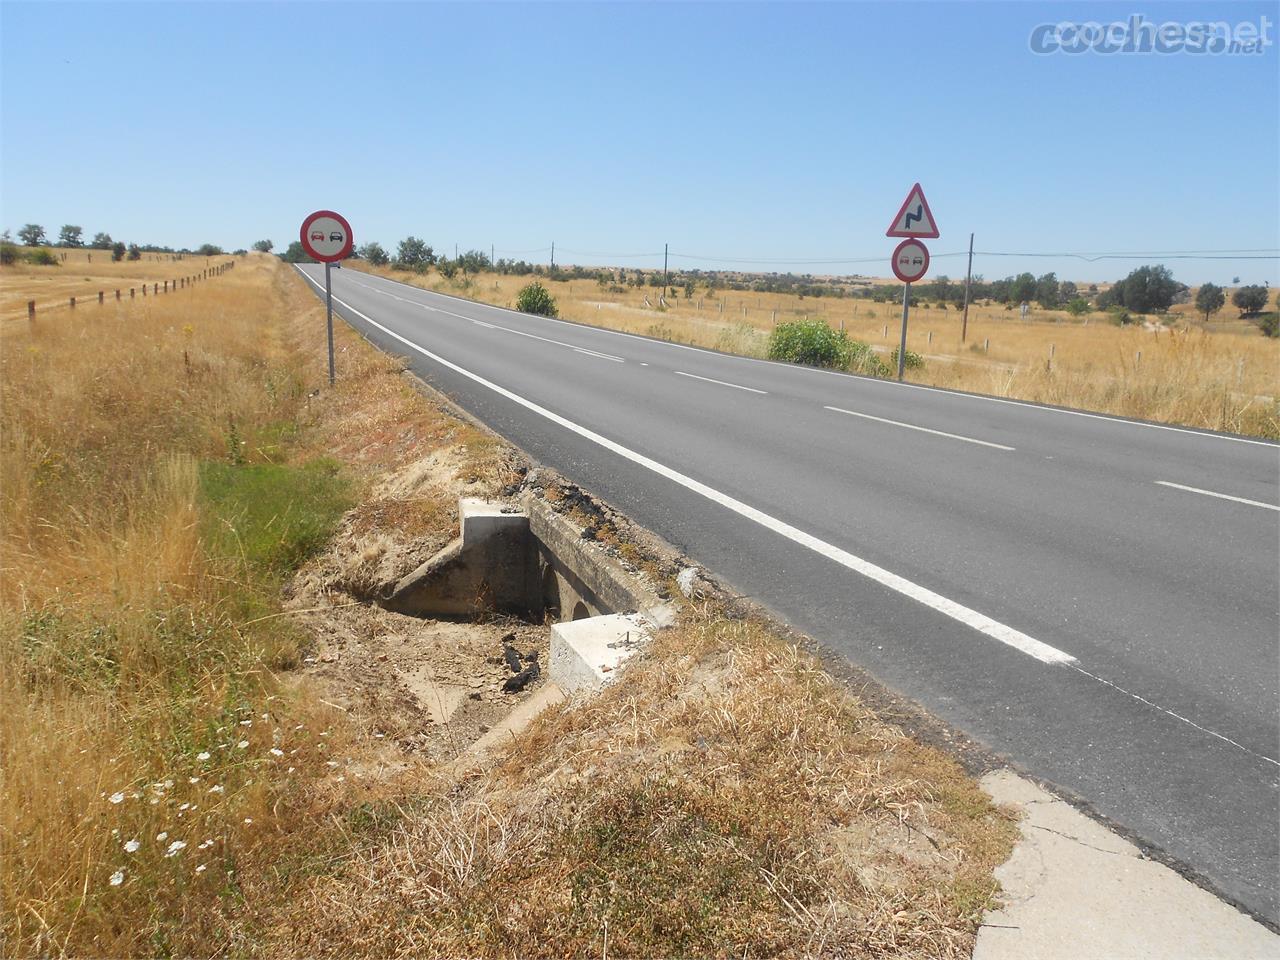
139,662
81,275
1223,375
728,799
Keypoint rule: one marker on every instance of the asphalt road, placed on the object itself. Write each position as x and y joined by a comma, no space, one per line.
1097,599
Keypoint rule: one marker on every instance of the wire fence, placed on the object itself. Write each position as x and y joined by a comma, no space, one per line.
157,288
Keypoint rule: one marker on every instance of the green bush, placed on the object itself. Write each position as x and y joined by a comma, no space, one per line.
8,254
810,342
1269,323
913,360
534,298
43,258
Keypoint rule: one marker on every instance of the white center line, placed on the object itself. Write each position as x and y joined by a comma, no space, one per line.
1220,496
723,383
912,426
947,607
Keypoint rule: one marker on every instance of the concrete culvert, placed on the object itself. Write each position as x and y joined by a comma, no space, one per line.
580,611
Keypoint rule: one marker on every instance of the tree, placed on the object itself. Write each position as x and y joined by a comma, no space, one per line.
117,251
1210,299
71,236
448,268
1148,289
1047,292
1078,306
209,250
101,241
414,254
32,234
1251,299
1022,288
473,261
534,298
135,252
296,254
374,253
263,246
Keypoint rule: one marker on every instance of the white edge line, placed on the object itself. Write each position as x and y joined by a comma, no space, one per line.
912,426
970,618
723,383
1025,404
1220,496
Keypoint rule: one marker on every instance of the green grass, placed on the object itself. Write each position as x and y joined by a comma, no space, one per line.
271,516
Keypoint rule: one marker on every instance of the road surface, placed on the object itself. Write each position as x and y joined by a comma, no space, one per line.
1095,598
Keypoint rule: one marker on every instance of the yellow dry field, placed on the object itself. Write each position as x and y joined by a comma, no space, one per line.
1224,375
81,273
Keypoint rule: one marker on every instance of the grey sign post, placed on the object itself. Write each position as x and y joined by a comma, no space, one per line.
911,258
326,237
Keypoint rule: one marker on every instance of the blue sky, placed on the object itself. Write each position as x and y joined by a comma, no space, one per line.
752,131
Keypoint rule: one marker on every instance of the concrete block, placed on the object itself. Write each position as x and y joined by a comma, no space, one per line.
493,566
587,654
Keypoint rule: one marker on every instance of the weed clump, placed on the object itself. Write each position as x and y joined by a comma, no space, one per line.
535,299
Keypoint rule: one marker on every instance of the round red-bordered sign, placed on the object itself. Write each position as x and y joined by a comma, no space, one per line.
326,236
910,261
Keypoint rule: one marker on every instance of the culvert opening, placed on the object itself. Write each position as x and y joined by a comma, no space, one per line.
531,563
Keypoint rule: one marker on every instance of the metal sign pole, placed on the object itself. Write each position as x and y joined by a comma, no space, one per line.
328,306
902,347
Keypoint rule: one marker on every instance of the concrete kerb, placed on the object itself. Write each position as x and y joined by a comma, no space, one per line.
1073,888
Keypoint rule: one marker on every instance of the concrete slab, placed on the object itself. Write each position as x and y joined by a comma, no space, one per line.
586,654
1074,889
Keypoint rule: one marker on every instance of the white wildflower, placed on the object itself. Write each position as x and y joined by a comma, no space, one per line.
117,878
193,779
201,869
216,788
242,744
202,755
248,821
184,806
162,836
276,752
174,848
131,846
116,798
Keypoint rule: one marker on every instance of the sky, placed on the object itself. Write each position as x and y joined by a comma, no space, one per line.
745,136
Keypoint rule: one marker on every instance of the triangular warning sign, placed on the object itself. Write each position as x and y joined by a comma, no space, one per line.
915,219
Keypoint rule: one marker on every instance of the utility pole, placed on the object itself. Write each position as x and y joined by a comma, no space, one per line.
968,278
491,260
664,270
553,254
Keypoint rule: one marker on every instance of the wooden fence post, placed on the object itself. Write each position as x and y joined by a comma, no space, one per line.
100,298
73,303
31,310
131,293
155,288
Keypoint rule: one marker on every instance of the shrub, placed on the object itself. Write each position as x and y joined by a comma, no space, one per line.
8,254
534,298
1269,324
1078,306
43,258
912,361
810,342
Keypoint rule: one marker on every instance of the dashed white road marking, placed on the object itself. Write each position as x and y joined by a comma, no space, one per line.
912,426
876,381
947,607
723,383
1220,496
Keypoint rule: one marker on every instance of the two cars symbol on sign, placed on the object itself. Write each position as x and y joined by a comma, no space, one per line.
326,236
910,261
